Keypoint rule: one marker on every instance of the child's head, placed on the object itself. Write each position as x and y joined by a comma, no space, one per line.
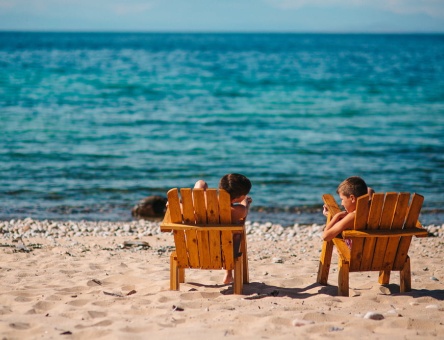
201,184
349,191
236,185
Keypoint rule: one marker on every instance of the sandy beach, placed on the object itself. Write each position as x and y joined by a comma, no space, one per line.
91,280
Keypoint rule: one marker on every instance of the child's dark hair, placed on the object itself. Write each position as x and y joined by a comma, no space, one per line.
235,184
352,186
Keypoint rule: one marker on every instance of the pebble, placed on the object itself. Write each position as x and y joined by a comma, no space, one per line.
432,307
138,228
277,260
373,316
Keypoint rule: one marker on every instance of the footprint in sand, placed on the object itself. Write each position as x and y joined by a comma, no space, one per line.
196,295
105,303
22,299
103,323
5,310
78,302
96,314
43,306
20,325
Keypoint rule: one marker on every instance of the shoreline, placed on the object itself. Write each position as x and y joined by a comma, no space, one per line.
110,280
29,227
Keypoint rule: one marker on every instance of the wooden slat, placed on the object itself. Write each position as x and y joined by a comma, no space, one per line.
224,207
187,206
204,249
212,207
174,206
377,203
388,212
414,210
399,217
374,216
181,249
214,236
200,210
410,223
191,235
227,249
402,207
361,217
362,209
402,253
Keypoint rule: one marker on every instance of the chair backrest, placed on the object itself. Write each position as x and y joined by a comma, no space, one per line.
203,233
387,215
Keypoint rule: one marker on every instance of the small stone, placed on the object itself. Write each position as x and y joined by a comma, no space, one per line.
384,290
300,322
434,278
335,329
373,316
277,260
432,307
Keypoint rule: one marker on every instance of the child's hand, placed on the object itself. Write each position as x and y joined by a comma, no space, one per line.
247,201
325,211
340,215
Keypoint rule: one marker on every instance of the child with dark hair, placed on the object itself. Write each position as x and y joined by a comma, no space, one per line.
349,191
238,186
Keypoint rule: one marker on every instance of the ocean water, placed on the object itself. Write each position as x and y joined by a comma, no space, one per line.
93,122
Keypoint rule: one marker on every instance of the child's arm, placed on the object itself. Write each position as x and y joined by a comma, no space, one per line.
338,223
239,211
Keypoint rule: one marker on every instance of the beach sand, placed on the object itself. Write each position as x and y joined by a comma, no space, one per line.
84,280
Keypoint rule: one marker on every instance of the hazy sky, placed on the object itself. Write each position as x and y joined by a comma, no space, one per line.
224,15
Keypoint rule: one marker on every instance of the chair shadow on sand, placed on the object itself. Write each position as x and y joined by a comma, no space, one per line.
257,290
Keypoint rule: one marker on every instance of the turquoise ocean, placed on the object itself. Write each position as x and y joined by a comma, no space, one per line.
93,122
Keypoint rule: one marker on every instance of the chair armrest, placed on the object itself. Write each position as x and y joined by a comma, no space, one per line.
343,250
168,226
385,233
332,206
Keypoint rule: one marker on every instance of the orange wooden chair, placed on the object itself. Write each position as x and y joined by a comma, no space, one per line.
203,235
381,237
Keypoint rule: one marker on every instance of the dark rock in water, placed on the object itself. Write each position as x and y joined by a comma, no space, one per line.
151,206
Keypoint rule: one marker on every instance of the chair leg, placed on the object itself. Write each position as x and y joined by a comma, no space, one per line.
324,262
384,277
181,275
343,278
246,275
238,276
406,277
174,272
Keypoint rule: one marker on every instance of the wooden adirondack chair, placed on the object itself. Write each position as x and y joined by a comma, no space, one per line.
381,237
203,235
